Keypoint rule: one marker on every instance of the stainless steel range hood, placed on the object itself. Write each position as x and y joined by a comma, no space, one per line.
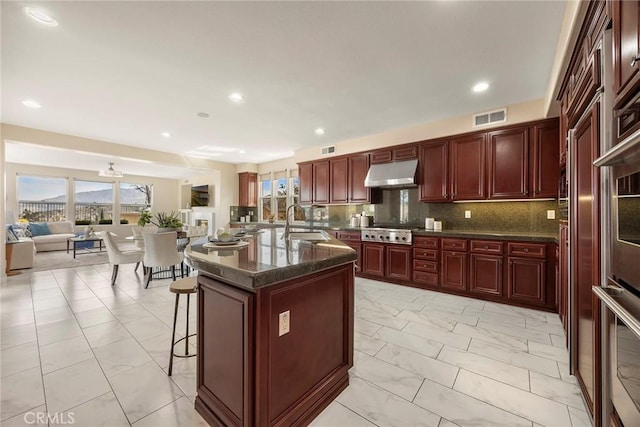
390,175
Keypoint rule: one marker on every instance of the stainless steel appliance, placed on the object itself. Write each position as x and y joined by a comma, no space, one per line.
386,235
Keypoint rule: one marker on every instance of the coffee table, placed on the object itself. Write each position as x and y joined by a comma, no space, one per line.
76,240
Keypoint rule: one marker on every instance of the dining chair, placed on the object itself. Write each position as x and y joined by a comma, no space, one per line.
137,237
118,256
160,251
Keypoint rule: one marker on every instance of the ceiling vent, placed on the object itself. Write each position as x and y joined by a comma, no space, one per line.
490,117
330,149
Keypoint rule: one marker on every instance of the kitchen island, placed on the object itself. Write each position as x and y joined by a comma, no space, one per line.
275,328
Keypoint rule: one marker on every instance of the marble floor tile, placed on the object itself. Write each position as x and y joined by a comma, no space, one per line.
381,319
180,412
383,408
438,335
50,303
149,328
514,357
550,327
143,390
516,311
565,375
409,341
184,375
94,317
438,312
57,331
516,331
556,390
17,335
64,353
446,423
579,418
106,333
120,356
426,367
130,313
53,315
549,351
44,294
26,419
20,393
103,411
491,368
159,348
73,385
367,344
393,379
16,318
491,337
464,410
527,405
558,341
19,358
80,305
365,327
495,317
379,306
338,415
424,319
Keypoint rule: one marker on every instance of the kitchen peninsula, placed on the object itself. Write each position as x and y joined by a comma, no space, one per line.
275,328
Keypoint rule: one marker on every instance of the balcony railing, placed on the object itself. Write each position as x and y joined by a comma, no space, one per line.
56,211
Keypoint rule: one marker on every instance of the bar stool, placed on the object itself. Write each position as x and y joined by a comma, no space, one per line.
188,286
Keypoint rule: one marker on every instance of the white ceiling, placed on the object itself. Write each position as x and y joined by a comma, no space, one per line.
125,72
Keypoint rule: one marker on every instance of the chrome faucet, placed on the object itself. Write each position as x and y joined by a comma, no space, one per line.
287,222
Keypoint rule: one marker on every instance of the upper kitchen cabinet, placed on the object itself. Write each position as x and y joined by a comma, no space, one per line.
468,167
434,172
545,159
305,172
339,180
626,68
321,181
508,163
404,152
248,189
358,168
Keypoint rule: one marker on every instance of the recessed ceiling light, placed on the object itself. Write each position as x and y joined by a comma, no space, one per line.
242,151
481,87
41,16
319,131
203,115
236,97
31,103
166,134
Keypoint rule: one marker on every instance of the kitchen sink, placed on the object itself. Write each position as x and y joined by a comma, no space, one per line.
309,236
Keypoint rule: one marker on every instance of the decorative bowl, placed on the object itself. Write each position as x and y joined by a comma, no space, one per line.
225,237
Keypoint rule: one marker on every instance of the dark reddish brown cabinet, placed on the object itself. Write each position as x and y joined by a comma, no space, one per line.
248,189
508,163
339,180
626,52
468,167
545,159
373,259
305,172
352,239
563,273
434,172
426,258
453,268
486,267
526,278
321,181
358,168
398,262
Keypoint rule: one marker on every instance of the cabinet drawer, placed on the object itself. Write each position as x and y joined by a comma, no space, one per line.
381,156
405,153
425,242
431,279
534,250
459,245
486,247
422,265
421,253
349,236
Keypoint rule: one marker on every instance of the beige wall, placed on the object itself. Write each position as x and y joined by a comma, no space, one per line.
165,191
223,187
3,236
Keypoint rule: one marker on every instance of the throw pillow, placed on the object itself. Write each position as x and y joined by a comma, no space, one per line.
39,228
20,230
11,237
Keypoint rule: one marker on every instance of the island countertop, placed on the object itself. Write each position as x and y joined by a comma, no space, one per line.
267,258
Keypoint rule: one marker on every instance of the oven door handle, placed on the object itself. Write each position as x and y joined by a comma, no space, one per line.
604,294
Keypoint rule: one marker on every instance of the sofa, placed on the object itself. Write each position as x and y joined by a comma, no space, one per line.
23,254
46,236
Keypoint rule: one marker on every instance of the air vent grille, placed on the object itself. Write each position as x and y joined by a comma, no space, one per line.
330,149
490,117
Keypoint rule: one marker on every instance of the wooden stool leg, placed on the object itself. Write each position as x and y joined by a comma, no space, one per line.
173,335
186,340
173,272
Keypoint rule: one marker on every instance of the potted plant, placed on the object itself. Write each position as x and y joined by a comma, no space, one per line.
167,222
145,218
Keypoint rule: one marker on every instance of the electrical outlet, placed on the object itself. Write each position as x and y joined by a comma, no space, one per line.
551,214
467,214
284,323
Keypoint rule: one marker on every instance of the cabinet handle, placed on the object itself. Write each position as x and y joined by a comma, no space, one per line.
635,60
526,250
486,247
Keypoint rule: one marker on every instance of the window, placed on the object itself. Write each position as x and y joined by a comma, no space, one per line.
42,199
280,184
93,202
265,196
134,198
277,191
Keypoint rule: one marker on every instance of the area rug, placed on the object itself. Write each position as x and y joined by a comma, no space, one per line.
61,259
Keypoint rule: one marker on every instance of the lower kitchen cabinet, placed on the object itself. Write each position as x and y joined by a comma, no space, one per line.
373,259
485,274
358,248
526,280
454,270
398,262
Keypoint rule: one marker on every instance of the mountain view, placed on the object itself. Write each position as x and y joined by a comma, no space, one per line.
127,196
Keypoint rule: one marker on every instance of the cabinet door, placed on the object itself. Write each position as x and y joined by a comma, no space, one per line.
434,172
526,280
509,164
381,156
358,168
546,159
321,182
454,270
339,180
398,262
468,167
485,274
305,172
405,153
358,248
373,259
626,33
248,189
563,294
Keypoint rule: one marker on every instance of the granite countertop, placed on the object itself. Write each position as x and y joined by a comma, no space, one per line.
267,259
524,236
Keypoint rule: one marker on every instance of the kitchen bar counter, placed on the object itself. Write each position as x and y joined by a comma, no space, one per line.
275,329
